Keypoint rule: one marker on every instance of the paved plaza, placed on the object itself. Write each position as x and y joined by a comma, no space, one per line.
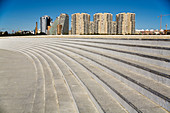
84,75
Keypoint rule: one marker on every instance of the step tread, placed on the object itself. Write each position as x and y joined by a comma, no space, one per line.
159,57
65,101
81,97
153,67
91,75
50,96
123,89
39,102
141,79
116,42
96,90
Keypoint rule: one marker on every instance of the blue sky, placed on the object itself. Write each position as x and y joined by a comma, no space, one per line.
23,14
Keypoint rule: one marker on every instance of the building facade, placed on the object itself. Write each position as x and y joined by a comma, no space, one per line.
80,23
53,29
125,23
114,28
102,23
45,21
91,27
63,23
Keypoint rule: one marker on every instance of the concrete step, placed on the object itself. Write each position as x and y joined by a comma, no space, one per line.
94,71
81,97
160,43
51,104
39,102
155,50
133,54
157,73
121,89
65,99
107,103
142,84
139,57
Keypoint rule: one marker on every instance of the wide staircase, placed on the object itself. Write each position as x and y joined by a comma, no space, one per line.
104,75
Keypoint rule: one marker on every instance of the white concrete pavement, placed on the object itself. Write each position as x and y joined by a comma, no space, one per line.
68,75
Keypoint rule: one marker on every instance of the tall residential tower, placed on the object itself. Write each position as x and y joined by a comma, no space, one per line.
125,23
91,27
80,23
114,28
102,23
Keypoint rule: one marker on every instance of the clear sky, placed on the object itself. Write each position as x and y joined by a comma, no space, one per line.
23,14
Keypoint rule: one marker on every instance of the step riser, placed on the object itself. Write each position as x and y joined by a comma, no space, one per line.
129,42
38,105
128,48
56,67
145,92
73,58
51,104
119,99
148,94
149,60
136,69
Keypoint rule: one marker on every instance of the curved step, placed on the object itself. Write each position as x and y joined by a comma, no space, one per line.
106,104
159,43
160,74
65,98
51,102
39,99
150,57
158,93
146,90
141,58
100,59
131,56
137,98
81,98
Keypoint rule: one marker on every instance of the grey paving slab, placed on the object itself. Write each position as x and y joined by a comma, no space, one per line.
17,82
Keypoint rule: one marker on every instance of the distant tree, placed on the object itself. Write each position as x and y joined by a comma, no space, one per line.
17,34
6,33
42,33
